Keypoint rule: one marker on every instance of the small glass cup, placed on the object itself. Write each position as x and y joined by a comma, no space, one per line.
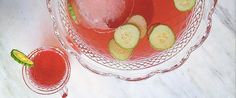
61,86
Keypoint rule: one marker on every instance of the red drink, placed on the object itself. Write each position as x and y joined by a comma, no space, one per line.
50,71
49,68
154,11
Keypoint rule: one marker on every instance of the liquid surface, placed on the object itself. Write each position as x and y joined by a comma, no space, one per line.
154,11
49,68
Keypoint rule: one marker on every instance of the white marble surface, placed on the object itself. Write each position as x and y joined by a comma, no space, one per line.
209,72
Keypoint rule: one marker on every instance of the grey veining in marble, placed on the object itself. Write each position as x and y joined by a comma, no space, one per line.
208,73
227,18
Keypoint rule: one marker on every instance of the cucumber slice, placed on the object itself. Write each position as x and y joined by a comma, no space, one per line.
72,13
140,22
119,52
21,58
184,5
162,37
127,36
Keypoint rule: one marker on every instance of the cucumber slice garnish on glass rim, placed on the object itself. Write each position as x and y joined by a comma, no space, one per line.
140,22
161,37
118,52
21,58
127,36
184,5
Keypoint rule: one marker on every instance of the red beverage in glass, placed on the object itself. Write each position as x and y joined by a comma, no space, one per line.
50,71
154,11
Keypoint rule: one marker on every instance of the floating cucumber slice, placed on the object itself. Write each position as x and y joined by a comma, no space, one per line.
162,37
72,13
184,5
119,52
127,36
21,58
140,22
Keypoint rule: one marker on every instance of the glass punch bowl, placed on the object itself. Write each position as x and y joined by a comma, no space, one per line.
192,37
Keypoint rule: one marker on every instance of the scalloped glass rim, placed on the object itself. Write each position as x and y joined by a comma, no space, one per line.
192,37
45,90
